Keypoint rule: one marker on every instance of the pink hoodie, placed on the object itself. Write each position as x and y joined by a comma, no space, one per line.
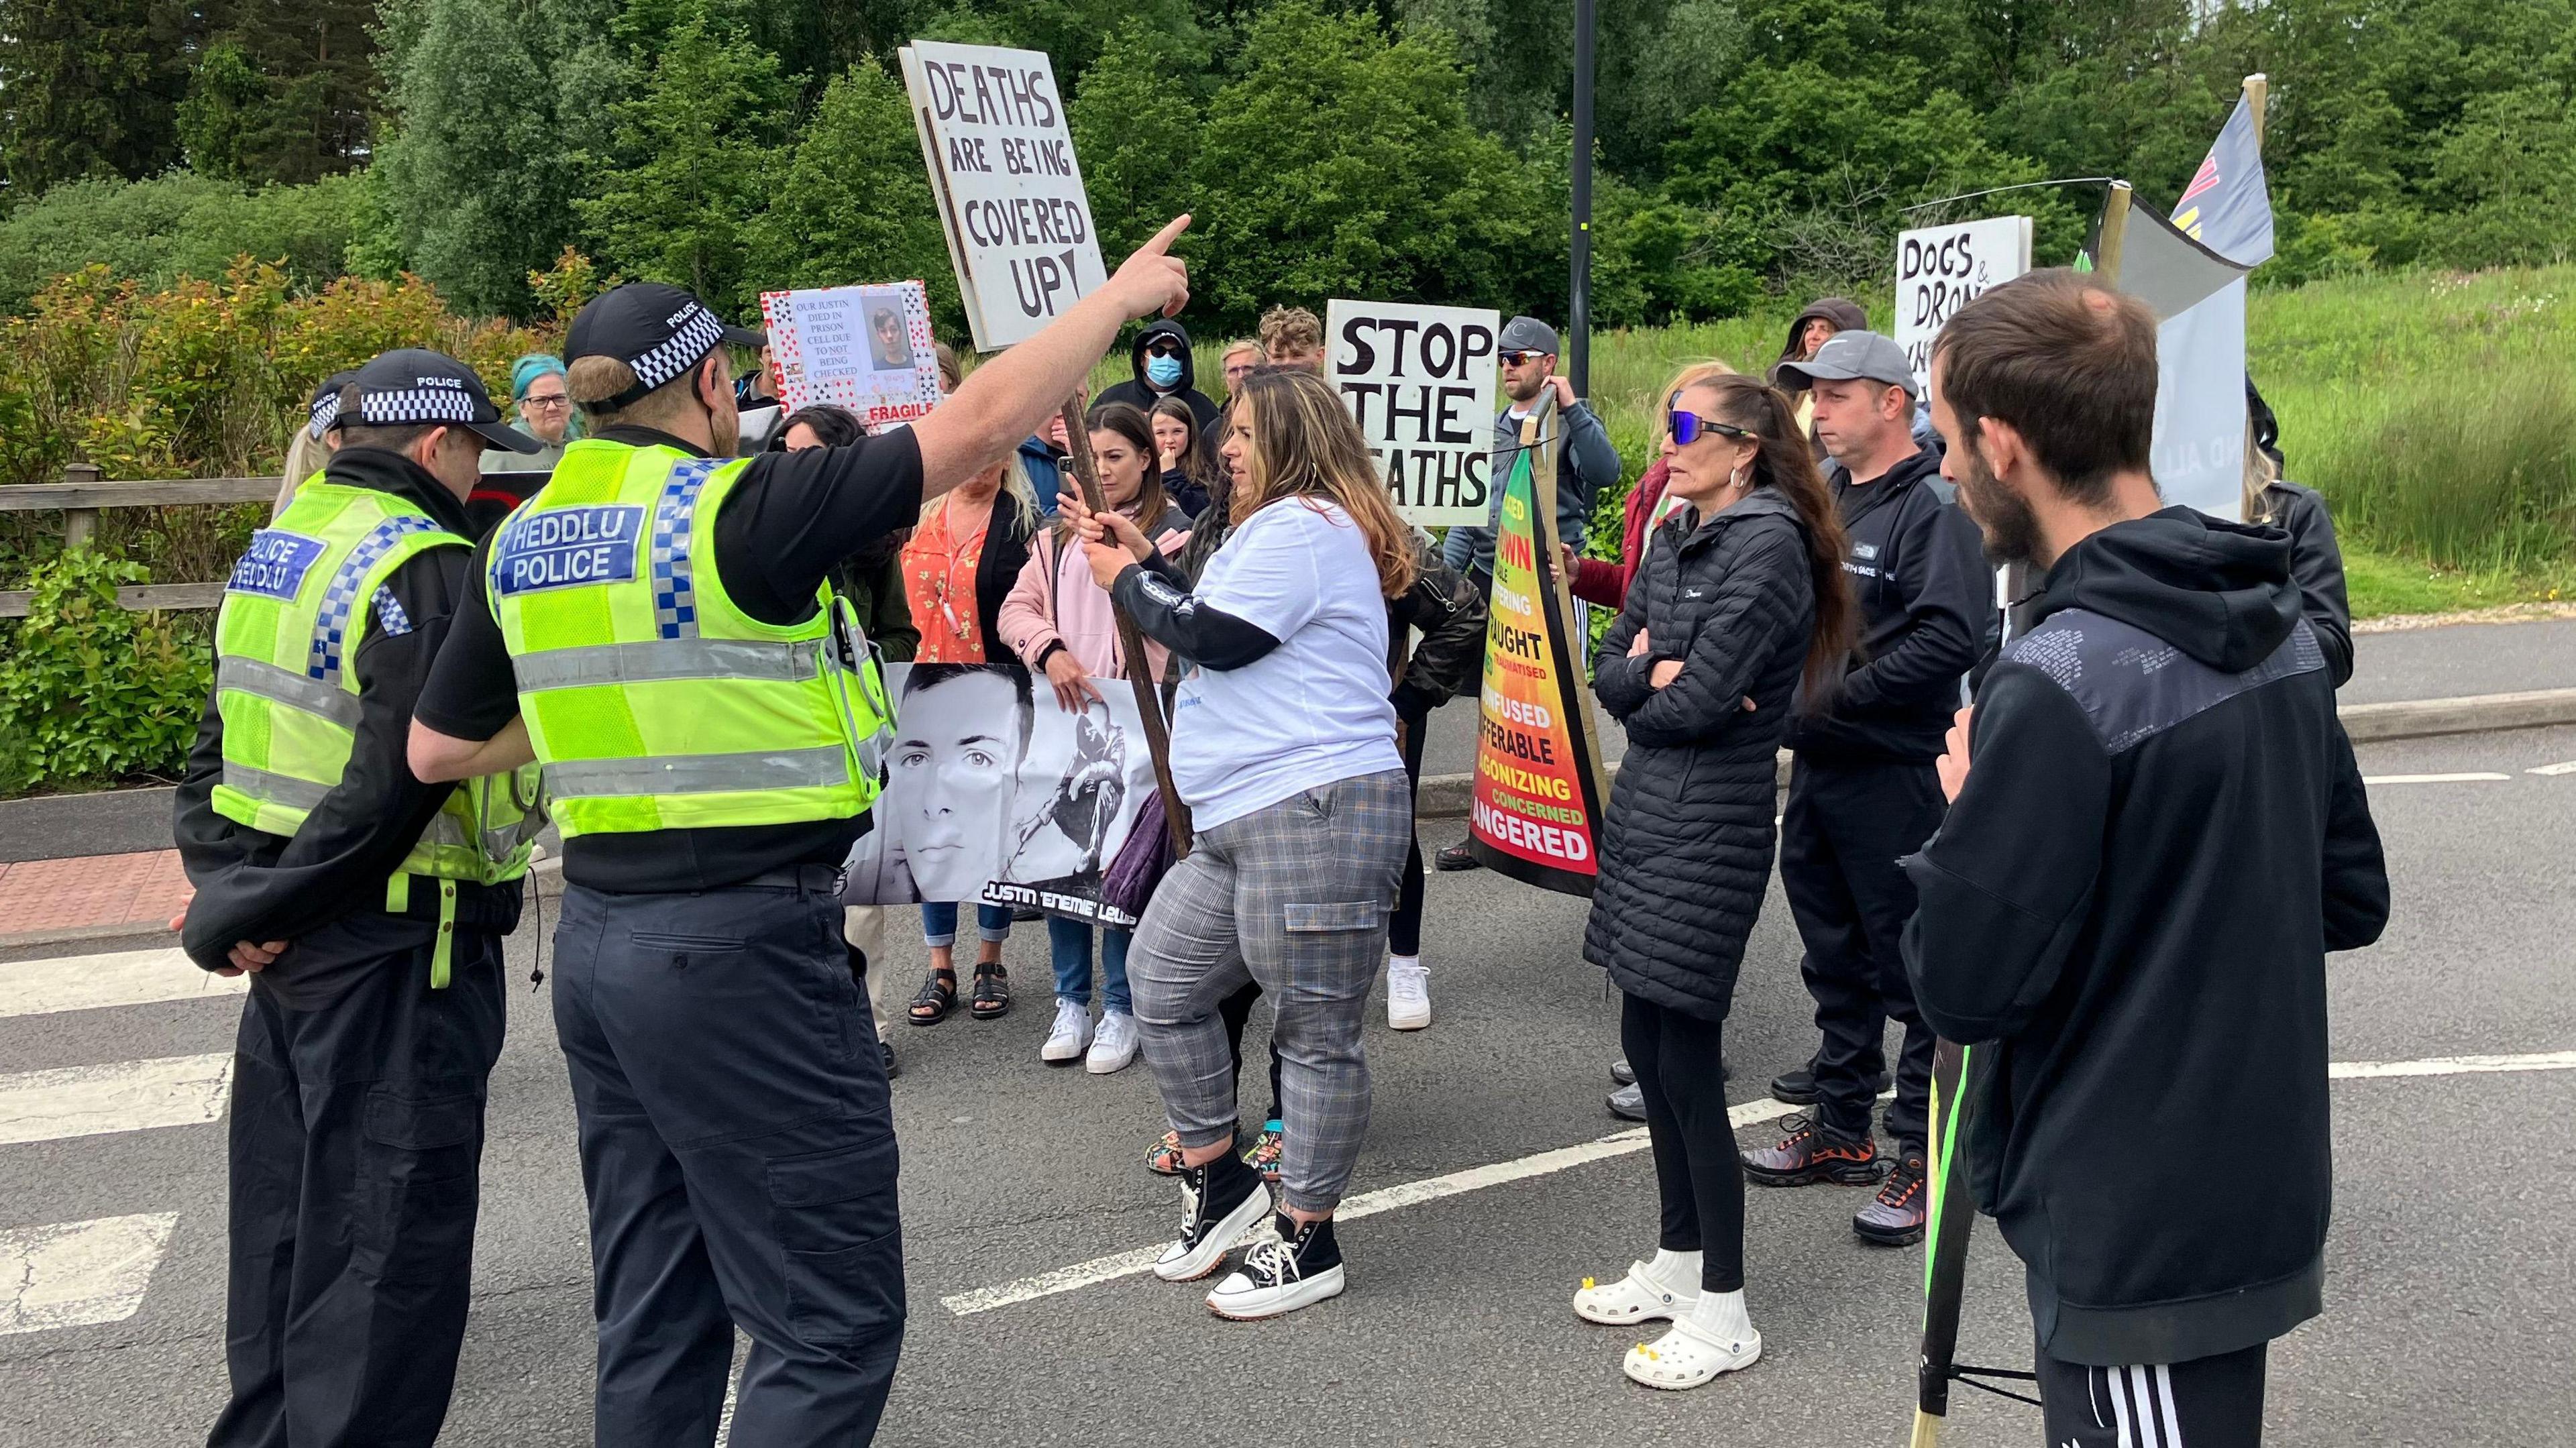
1056,598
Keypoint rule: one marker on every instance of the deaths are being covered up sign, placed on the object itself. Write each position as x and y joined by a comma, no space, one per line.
1420,382
993,133
1535,811
866,348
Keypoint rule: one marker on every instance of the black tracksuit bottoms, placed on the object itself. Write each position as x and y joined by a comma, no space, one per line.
357,1144
739,1158
1846,827
2211,1402
1678,1058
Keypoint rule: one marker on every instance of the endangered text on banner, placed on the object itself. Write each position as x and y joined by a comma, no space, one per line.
1537,797
1019,226
1420,382
865,348
1941,268
995,793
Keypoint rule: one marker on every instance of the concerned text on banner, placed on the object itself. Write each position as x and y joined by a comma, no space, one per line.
1000,154
1420,382
866,348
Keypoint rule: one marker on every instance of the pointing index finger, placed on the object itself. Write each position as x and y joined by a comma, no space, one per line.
1164,238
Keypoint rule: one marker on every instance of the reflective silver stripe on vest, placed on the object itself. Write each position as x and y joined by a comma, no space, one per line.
663,659
270,788
443,830
286,686
699,773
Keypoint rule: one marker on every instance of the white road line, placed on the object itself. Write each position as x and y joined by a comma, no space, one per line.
2479,778
121,978
1477,1178
121,1096
1385,1199
2554,769
72,1274
2452,1066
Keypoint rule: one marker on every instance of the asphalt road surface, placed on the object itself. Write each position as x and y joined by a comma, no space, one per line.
2448,1270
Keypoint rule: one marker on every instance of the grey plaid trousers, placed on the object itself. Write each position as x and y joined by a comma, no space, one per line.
1296,897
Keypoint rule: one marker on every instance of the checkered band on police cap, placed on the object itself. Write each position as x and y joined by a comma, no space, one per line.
416,404
695,334
326,410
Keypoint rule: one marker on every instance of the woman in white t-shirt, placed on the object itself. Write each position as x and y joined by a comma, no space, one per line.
1283,747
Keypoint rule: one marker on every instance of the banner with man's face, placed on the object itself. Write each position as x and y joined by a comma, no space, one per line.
995,794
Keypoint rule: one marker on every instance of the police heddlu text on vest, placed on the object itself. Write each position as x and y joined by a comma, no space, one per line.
569,545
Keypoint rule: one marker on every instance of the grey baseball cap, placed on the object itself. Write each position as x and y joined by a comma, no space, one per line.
1847,355
1528,334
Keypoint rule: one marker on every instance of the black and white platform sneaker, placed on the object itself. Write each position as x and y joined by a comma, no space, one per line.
1298,1266
1219,1203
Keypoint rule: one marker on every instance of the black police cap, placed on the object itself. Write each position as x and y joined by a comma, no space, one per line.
325,404
660,331
412,385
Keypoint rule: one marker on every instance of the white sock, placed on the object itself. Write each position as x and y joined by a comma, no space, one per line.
1678,1270
1722,1316
1409,962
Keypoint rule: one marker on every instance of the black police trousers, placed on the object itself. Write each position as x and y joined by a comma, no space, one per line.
1846,827
738,1152
357,1139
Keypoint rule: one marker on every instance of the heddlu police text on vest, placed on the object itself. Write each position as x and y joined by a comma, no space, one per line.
566,546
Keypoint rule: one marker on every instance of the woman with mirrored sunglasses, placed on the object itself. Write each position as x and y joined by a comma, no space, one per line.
1740,598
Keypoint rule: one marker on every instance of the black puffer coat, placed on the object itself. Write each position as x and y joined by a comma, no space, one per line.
1687,841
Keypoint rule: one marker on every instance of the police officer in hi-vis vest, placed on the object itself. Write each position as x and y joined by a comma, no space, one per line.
369,906
654,626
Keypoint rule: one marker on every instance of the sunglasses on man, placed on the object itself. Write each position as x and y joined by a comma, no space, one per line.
1522,358
1687,427
1162,349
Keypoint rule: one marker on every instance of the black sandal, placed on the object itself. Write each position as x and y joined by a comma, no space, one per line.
939,994
992,993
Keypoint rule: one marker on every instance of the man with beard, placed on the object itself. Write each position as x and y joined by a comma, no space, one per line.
2128,906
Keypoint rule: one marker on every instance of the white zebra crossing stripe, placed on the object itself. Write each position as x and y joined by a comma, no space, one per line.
122,1096
121,978
73,1274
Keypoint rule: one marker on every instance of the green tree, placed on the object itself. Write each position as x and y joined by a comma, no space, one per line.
284,90
689,159
1136,126
90,88
852,203
478,179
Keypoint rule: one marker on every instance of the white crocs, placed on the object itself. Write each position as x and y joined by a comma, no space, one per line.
1637,1297
1688,1356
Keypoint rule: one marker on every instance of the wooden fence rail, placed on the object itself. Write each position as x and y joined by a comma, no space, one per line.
81,495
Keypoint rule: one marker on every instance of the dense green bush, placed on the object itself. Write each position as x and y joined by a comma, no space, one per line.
182,225
90,693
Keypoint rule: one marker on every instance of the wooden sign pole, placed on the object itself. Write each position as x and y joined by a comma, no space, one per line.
1131,639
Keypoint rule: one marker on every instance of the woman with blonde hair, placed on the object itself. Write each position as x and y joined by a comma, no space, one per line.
1284,750
314,440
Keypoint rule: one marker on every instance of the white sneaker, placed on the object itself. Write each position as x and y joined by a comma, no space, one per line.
1114,1049
1408,996
1072,1033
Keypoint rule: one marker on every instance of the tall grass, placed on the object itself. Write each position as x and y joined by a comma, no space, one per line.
2435,411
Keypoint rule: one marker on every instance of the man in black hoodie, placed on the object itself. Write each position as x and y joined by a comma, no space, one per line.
1164,368
1862,792
2129,904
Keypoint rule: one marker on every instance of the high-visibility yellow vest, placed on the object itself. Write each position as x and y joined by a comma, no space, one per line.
653,702
297,604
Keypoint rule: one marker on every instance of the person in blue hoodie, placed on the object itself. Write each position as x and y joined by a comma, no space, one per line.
1164,368
2156,832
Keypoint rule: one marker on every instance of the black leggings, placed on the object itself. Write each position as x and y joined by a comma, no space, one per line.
1677,1058
1404,930
1237,1009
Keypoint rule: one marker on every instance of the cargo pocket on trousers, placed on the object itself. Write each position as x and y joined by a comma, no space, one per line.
835,1216
422,1148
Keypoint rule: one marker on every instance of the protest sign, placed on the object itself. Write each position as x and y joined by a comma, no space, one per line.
1019,226
1939,269
1420,382
1536,804
994,793
865,348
